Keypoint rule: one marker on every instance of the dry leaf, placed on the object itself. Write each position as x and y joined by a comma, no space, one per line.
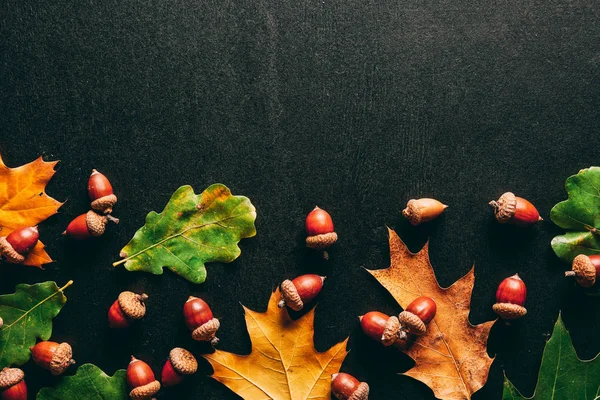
284,363
23,201
451,358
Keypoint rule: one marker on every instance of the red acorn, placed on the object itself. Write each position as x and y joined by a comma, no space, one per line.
141,381
381,328
12,384
300,291
127,308
417,315
18,244
180,364
101,193
585,269
319,227
199,319
346,387
53,356
510,298
515,210
422,210
88,225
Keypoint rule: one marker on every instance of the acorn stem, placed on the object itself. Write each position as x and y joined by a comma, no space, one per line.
494,204
570,273
112,219
325,255
281,304
214,341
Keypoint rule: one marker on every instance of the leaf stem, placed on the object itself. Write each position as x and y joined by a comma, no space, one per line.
62,289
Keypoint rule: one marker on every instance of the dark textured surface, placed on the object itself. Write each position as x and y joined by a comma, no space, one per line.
356,106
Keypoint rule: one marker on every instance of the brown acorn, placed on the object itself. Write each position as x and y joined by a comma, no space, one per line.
101,193
199,319
141,381
510,298
18,244
417,315
53,356
422,210
180,364
12,384
299,291
320,231
585,269
127,308
88,225
381,328
515,210
346,387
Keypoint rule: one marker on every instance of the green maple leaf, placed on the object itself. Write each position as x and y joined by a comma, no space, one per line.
90,382
579,214
191,231
27,316
562,376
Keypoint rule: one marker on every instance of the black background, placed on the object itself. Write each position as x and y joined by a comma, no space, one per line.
356,106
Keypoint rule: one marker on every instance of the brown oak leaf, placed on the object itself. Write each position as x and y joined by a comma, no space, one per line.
451,358
283,364
23,201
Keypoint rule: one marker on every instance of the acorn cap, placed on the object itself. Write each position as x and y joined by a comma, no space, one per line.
183,361
390,331
146,391
10,377
104,204
9,253
505,207
95,222
322,241
361,392
61,359
585,271
207,332
509,311
411,323
132,304
290,296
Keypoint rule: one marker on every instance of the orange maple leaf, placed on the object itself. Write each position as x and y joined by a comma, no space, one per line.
451,358
23,201
283,364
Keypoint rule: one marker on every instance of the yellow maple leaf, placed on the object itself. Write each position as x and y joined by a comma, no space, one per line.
283,364
451,358
23,201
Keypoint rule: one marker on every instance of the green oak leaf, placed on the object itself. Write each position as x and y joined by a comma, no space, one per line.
27,316
562,376
580,214
191,231
90,382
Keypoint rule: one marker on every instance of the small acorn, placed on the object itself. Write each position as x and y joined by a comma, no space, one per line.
585,269
381,328
418,211
319,227
141,381
127,308
55,357
510,298
18,244
515,210
12,384
417,315
180,364
101,193
199,319
88,225
300,291
346,387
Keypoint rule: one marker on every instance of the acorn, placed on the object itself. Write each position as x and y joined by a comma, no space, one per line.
381,328
101,193
199,319
300,291
585,269
141,381
422,210
88,225
53,356
12,384
180,364
18,244
346,387
510,298
319,227
515,210
417,315
127,308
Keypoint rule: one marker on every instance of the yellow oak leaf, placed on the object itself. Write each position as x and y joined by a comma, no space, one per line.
451,358
283,364
23,201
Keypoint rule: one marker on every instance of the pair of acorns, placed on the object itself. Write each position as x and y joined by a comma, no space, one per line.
199,318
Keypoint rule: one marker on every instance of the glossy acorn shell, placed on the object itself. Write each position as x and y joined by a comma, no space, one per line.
595,259
139,373
98,186
344,385
526,213
78,228
512,290
308,286
116,317
42,353
15,392
170,377
318,222
423,307
373,324
23,240
196,312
